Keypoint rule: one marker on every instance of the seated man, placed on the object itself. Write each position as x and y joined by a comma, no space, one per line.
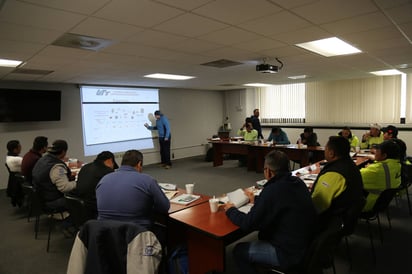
13,158
284,215
308,137
129,195
88,178
373,137
278,136
384,173
52,177
32,156
339,184
249,134
352,139
13,162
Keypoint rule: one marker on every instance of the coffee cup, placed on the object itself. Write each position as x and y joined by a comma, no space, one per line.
214,205
189,188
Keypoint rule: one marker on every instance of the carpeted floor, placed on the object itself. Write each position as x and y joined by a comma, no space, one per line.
21,253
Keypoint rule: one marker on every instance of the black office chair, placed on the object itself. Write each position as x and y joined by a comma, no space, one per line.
320,254
38,208
77,211
406,182
381,205
27,189
14,189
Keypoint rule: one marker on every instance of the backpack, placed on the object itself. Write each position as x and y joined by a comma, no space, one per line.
178,262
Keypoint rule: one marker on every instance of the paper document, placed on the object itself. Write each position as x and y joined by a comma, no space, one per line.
167,186
238,197
170,193
185,199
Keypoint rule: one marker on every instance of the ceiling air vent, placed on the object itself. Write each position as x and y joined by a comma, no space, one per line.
72,40
222,63
32,71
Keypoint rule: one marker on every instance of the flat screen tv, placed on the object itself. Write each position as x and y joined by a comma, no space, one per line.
18,105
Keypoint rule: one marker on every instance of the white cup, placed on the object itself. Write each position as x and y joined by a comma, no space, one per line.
214,205
357,149
189,188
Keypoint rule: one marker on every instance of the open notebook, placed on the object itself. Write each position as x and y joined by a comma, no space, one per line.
239,199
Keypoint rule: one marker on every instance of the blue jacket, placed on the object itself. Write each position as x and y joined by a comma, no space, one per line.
281,139
129,196
162,126
283,214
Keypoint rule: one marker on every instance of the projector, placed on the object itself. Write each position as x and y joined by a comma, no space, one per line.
266,68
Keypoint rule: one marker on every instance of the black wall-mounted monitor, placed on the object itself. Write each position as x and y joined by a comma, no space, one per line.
18,105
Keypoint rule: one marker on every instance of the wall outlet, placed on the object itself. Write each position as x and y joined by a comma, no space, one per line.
173,155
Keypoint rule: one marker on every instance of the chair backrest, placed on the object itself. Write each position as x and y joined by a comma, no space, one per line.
104,246
76,208
406,175
322,249
384,199
351,216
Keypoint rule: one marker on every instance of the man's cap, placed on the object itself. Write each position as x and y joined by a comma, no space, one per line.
58,147
104,155
390,148
391,130
157,112
375,125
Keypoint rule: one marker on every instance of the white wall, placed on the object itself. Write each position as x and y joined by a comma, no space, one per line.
194,115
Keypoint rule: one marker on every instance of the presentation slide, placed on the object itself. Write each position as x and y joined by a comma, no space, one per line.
113,118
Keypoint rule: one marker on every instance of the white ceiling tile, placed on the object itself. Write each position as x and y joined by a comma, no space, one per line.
235,11
100,28
13,32
358,23
191,45
139,13
324,11
229,36
185,4
259,44
155,38
275,23
78,6
302,35
190,25
35,16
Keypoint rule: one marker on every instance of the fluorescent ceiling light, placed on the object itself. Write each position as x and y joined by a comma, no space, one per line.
257,85
9,63
386,72
329,47
297,77
169,76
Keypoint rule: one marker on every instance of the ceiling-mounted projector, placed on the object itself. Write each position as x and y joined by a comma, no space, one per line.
267,68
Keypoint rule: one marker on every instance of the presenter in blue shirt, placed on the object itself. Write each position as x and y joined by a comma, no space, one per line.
163,128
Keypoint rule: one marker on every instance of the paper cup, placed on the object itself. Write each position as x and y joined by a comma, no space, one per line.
189,188
214,205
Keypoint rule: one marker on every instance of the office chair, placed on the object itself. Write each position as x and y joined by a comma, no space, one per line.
381,205
406,182
320,254
107,246
14,189
27,190
76,208
38,208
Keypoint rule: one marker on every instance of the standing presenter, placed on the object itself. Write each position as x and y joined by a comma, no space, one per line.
163,128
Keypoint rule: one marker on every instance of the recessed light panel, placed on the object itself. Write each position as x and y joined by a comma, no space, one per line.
169,76
9,63
257,85
329,47
387,72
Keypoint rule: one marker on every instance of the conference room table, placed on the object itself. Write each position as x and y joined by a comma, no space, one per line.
206,235
256,153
